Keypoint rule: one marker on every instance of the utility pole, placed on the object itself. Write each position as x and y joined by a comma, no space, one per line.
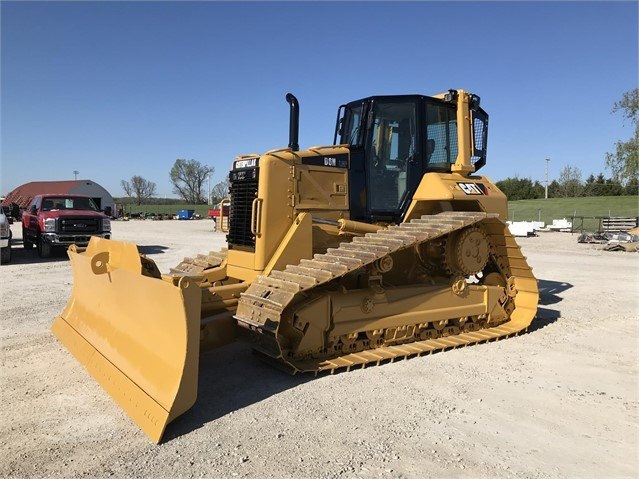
547,161
76,173
208,198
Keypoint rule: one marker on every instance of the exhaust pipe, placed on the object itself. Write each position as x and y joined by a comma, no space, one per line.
294,122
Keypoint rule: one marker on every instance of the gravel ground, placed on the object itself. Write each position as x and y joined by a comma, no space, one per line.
559,401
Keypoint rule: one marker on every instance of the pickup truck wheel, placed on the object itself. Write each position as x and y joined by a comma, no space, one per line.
5,254
44,248
25,241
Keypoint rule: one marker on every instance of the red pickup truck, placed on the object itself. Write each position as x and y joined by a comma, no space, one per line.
56,220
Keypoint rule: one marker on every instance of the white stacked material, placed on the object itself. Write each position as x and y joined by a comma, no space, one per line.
523,228
538,225
561,225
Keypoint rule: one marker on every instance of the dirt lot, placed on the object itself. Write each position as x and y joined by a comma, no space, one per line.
559,401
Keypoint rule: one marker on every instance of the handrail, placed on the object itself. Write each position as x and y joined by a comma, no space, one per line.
256,216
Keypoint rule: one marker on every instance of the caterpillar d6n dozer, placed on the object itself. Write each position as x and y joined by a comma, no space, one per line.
384,245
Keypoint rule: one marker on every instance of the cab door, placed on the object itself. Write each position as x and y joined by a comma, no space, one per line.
30,226
392,157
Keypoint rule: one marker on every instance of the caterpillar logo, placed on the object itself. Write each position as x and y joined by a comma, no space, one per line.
250,163
472,188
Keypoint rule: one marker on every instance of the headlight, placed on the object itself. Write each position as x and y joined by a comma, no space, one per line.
106,224
49,225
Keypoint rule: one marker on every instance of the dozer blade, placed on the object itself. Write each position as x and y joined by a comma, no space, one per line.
138,336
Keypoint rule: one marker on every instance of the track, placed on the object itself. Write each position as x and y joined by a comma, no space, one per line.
198,265
262,306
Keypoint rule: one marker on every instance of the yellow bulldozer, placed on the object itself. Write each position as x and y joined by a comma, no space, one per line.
385,245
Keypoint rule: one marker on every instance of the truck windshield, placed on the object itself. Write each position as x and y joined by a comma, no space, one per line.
68,203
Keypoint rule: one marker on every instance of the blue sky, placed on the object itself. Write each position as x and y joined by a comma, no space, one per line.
116,89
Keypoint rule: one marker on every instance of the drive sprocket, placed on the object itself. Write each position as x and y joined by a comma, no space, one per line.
467,251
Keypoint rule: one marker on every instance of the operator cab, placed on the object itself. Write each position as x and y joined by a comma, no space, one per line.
394,141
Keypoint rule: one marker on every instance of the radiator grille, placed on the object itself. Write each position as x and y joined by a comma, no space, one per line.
79,225
243,191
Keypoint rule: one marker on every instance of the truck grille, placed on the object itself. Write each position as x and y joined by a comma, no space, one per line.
79,225
243,191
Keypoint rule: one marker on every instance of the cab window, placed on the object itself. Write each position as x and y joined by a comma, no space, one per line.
35,204
391,145
441,137
353,124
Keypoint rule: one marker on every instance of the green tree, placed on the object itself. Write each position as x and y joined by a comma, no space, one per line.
613,188
520,188
570,182
632,187
554,189
538,191
591,187
138,188
220,191
188,177
602,186
624,162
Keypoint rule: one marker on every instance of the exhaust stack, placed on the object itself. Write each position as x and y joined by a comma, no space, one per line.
294,122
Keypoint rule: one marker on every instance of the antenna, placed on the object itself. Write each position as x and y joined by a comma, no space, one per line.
546,194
